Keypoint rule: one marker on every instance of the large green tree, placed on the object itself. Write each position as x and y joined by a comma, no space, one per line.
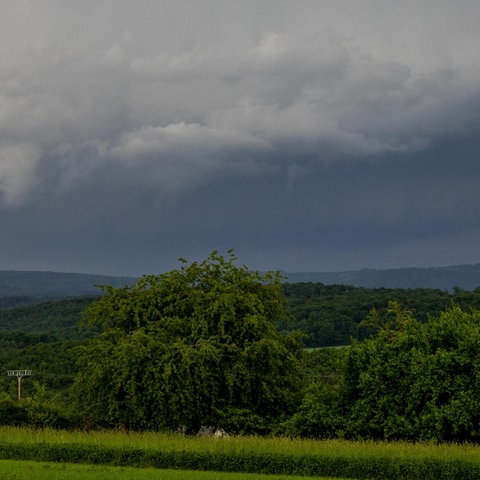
416,380
193,346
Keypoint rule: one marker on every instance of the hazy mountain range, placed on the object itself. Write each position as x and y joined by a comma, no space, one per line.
466,277
60,285
55,284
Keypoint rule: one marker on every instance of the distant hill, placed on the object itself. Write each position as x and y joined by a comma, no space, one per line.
59,319
466,277
26,287
21,287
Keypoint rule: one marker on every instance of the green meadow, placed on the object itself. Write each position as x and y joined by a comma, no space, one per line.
27,470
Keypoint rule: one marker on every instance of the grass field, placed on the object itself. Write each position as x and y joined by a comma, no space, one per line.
26,470
245,455
242,445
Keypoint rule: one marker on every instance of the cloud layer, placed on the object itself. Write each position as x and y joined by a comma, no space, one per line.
338,115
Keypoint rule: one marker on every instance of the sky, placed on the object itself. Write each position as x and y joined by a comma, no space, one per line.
306,135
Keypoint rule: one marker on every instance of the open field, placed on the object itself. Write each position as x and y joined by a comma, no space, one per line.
278,456
27,470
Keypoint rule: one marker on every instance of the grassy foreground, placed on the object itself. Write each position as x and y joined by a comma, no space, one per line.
28,470
276,456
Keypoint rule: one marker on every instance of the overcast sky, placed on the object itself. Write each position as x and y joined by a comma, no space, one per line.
306,135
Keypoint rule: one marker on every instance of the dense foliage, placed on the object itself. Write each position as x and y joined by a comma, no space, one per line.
328,315
58,319
213,343
194,346
411,380
53,365
416,380
332,314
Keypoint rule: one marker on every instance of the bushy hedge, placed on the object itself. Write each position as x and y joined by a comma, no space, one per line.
33,413
334,465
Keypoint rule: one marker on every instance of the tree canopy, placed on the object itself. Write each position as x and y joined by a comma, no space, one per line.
416,380
196,345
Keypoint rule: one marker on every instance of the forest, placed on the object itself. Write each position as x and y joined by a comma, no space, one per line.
214,343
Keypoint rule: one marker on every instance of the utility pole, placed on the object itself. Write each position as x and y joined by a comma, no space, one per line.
19,374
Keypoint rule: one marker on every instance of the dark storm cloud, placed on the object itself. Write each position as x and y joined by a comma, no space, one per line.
308,136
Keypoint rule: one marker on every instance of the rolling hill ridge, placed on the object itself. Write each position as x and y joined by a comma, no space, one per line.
16,285
466,277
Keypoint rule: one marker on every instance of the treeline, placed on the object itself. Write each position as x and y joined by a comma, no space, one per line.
331,315
60,319
215,344
42,337
411,380
327,315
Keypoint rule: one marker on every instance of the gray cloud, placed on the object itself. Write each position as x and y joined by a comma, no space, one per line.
237,123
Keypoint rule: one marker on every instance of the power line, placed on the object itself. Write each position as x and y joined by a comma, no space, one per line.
19,374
